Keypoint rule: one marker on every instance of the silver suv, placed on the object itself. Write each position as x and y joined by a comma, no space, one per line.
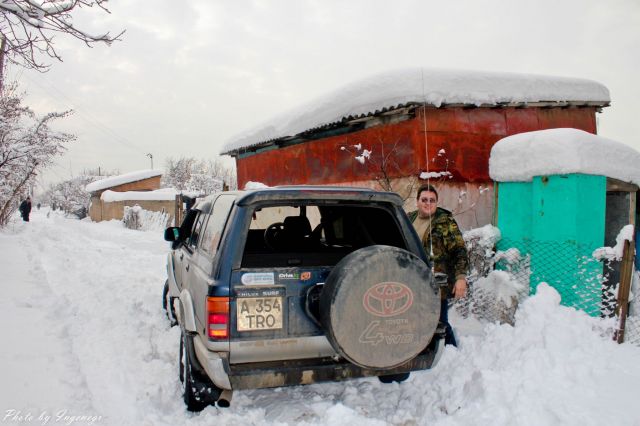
296,285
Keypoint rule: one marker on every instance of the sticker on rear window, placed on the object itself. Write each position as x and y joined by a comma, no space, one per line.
289,276
258,278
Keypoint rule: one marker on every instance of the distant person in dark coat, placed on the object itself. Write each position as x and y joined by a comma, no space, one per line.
25,209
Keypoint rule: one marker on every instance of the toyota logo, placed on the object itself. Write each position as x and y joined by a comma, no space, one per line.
388,299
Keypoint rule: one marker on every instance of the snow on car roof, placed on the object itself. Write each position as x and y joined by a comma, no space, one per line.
561,151
435,87
314,192
122,179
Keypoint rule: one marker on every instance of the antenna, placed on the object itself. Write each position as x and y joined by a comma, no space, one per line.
426,149
150,155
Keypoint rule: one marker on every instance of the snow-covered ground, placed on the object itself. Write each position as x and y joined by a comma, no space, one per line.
84,341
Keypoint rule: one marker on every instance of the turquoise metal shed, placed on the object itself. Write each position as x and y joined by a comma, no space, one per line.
561,194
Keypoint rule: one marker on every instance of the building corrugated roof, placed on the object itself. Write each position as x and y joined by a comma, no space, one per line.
395,91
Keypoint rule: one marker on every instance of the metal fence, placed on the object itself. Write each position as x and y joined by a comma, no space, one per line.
632,329
504,272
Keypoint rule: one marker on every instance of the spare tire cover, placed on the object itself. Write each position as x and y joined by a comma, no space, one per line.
379,307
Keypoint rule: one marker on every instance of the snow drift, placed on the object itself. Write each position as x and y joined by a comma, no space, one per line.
83,333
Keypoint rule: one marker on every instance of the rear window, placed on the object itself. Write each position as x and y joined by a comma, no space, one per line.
316,235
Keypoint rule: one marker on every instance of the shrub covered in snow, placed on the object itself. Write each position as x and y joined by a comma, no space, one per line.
481,243
494,294
496,297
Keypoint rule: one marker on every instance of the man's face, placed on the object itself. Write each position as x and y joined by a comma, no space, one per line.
427,203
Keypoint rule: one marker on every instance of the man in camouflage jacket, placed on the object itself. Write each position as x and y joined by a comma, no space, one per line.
443,243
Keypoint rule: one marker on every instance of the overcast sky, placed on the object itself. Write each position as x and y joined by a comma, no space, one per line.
189,75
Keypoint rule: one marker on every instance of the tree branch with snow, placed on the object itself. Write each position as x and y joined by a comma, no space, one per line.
27,145
199,176
28,28
382,162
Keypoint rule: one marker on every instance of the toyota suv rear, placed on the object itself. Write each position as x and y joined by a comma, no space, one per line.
295,285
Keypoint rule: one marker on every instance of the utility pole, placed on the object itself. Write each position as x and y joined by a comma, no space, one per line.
150,155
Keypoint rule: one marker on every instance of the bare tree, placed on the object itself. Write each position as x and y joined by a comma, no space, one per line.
27,144
70,195
202,176
382,162
28,28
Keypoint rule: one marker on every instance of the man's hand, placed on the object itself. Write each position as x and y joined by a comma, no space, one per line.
460,288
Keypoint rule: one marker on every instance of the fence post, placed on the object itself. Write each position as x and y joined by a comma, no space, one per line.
177,217
626,270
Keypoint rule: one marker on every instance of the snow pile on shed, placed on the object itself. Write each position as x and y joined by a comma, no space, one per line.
520,157
112,181
167,194
419,86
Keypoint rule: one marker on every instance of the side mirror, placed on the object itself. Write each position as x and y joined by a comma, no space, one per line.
172,234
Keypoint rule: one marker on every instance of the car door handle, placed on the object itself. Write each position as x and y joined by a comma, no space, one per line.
187,268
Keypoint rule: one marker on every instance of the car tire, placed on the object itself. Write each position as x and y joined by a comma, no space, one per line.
390,378
197,390
379,307
167,305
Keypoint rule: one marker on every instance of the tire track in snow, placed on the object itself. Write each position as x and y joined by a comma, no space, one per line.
55,310
112,313
39,372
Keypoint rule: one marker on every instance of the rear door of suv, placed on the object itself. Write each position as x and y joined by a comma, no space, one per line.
275,288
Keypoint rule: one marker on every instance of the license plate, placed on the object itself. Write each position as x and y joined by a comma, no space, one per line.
259,313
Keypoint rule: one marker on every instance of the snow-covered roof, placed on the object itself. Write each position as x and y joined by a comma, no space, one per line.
520,157
122,179
436,87
163,194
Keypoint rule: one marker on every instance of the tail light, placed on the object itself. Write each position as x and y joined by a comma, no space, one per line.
218,317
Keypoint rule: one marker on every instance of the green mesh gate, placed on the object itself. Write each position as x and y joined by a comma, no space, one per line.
582,281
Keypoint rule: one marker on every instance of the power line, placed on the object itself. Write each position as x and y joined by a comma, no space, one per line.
83,112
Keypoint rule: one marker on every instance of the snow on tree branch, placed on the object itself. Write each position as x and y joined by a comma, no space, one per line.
198,176
70,195
27,145
27,28
383,165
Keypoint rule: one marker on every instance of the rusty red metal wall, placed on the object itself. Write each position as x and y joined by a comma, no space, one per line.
465,134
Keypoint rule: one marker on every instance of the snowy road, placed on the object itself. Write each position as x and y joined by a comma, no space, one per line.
83,335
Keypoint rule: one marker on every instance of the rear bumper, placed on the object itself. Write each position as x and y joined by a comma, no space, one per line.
300,372
216,366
